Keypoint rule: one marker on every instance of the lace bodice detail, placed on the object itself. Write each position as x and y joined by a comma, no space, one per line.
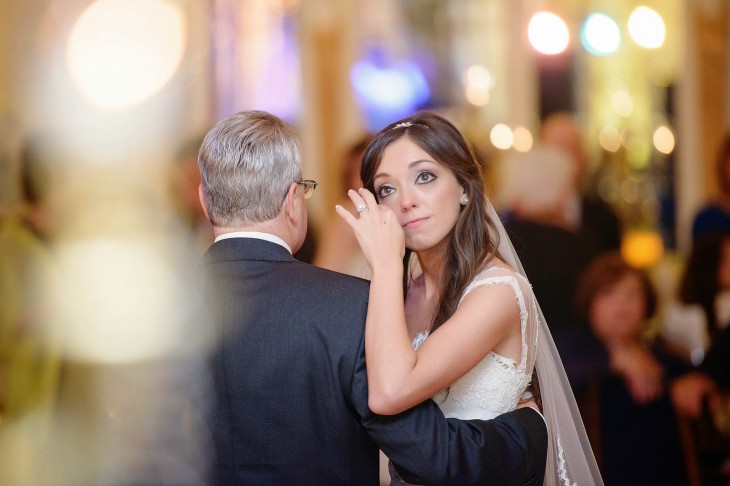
495,384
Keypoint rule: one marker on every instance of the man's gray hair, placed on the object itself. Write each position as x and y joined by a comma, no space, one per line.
247,162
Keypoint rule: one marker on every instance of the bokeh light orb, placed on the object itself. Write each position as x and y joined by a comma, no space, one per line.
477,96
121,52
600,35
478,77
622,103
119,302
477,83
642,248
548,33
663,140
647,27
501,136
388,91
522,139
609,138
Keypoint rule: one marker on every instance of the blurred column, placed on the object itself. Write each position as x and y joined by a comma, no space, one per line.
330,118
702,108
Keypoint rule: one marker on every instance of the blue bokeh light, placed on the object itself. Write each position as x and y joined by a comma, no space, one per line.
388,91
600,35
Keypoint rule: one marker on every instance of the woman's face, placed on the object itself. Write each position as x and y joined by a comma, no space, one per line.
423,193
618,310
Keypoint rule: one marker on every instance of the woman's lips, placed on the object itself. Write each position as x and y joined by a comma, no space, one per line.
414,223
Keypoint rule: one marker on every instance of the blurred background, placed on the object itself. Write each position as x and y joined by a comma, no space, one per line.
103,105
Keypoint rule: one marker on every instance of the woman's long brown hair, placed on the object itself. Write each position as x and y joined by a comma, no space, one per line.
474,239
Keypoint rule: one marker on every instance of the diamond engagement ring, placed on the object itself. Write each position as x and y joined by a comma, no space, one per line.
361,208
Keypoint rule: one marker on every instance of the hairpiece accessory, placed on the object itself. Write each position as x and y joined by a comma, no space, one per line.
408,124
361,208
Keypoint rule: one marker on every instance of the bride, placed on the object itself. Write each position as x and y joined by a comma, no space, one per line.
470,335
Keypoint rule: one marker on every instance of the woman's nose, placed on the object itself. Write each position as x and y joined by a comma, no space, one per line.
407,201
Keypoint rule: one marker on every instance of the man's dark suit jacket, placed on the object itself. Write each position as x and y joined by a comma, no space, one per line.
291,388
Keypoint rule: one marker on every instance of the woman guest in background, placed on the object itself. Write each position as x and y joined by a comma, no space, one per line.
470,332
338,249
638,440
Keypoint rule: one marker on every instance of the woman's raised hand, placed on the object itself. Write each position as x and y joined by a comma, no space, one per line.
376,228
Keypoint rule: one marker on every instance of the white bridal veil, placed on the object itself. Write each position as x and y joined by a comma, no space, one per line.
570,460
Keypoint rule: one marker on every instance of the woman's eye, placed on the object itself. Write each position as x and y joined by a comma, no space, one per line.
424,177
385,191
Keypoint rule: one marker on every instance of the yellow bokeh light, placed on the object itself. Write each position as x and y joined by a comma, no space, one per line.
522,139
477,96
609,138
642,248
622,103
548,33
478,77
121,52
663,140
647,27
501,136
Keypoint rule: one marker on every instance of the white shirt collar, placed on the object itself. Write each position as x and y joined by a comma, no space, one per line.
254,234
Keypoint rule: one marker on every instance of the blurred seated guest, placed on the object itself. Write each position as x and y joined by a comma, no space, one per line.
703,397
638,439
714,217
337,248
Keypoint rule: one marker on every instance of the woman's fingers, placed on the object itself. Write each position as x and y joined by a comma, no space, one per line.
358,201
368,197
346,215
361,206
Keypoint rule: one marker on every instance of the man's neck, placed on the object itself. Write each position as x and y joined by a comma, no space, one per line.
267,227
274,227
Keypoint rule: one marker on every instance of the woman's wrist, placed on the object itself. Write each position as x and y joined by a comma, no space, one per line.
387,267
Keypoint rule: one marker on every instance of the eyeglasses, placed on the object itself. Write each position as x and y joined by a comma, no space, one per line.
309,187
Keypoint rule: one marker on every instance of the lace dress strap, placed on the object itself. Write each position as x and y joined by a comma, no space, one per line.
507,277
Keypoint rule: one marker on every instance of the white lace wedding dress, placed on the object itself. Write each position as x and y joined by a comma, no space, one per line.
495,384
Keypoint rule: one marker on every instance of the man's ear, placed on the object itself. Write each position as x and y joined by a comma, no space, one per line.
292,203
201,197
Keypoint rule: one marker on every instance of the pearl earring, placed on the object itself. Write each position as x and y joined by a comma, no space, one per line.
464,199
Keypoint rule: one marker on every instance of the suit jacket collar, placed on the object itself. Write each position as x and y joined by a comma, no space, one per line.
231,249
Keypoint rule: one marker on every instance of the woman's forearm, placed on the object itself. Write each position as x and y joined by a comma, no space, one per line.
388,350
